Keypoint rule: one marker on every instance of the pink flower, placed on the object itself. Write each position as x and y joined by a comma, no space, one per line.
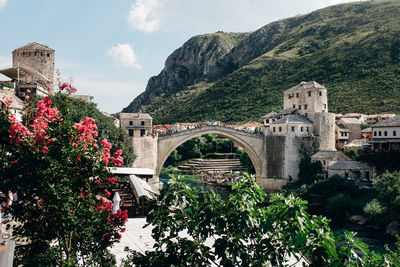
14,161
112,180
28,91
108,194
45,149
27,97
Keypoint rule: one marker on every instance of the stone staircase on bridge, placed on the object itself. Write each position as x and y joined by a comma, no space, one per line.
212,165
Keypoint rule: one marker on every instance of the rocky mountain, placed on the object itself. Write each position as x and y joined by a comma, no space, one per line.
354,49
192,63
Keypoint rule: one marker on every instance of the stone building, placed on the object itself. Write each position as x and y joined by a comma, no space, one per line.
292,125
136,124
37,57
386,135
17,105
309,102
351,170
354,127
32,69
308,98
327,158
341,136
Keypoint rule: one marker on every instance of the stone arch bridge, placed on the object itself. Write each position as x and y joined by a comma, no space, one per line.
275,158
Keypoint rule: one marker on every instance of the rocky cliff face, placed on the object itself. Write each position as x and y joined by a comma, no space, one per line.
194,62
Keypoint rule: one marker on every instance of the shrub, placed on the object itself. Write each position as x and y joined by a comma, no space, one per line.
374,208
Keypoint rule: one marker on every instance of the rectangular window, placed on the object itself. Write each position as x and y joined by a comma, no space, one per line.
367,175
142,123
346,174
142,132
309,93
305,114
48,54
374,133
288,96
280,129
41,54
308,129
305,106
273,129
385,133
380,133
294,106
36,53
394,133
130,123
324,106
301,129
130,132
292,128
320,93
299,107
297,95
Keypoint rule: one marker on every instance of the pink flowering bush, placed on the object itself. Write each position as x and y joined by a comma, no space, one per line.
58,168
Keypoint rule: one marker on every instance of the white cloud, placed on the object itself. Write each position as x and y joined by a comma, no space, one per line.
124,55
141,16
3,3
196,17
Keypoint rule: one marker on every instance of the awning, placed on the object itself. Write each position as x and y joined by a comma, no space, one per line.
129,171
23,71
141,189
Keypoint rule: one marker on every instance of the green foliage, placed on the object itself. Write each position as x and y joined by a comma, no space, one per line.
383,162
338,205
353,153
247,163
199,147
79,109
388,186
374,208
246,229
58,171
309,171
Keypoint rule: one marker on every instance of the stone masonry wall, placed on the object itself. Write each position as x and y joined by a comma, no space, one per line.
324,126
39,60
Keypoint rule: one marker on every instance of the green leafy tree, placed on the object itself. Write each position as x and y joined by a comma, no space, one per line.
246,229
79,109
58,169
388,186
353,153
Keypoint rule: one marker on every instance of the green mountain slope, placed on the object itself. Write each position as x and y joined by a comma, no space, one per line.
354,49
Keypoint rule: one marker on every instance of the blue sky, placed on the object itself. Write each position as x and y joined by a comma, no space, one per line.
111,48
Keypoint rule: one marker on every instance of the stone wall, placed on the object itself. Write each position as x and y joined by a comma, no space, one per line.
145,149
39,60
275,156
324,127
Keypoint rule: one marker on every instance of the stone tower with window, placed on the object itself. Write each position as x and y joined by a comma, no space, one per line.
307,98
144,143
310,99
37,57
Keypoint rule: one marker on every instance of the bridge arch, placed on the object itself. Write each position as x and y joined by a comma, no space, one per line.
251,143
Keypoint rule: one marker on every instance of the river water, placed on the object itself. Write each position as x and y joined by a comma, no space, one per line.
375,240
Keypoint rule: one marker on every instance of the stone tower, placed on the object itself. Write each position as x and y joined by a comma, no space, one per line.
310,99
37,57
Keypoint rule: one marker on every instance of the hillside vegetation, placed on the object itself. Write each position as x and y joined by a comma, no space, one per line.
353,49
